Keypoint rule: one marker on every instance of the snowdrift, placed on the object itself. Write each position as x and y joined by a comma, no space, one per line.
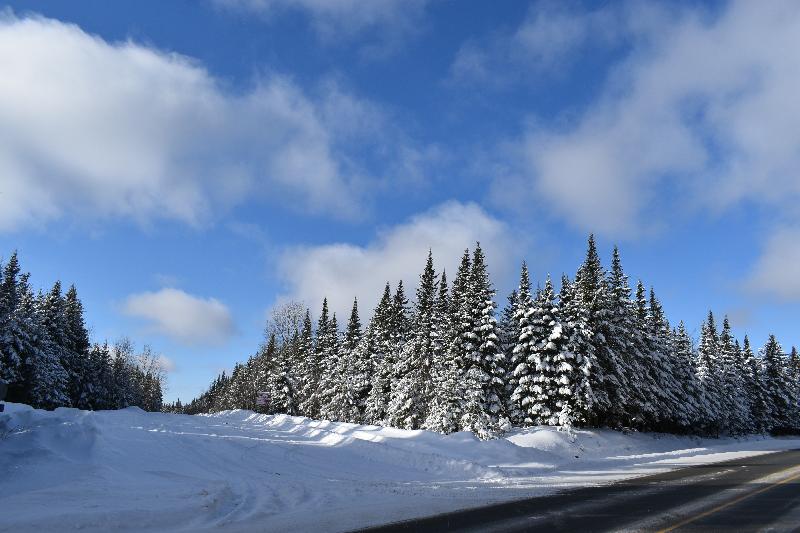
238,470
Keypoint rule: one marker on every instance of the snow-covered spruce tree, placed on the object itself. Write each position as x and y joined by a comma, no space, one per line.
520,375
11,360
444,409
576,360
330,380
395,334
233,397
794,379
749,425
691,410
308,369
381,359
53,314
46,381
483,411
548,344
76,349
461,342
650,403
754,388
608,379
461,331
676,414
411,394
735,412
507,331
284,385
265,376
507,325
352,381
674,409
708,373
101,377
362,373
777,387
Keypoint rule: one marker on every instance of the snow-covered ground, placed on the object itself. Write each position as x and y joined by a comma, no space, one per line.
97,471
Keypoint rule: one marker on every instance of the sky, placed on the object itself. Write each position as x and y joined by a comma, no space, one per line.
189,165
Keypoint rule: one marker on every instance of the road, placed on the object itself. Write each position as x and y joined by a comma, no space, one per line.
759,493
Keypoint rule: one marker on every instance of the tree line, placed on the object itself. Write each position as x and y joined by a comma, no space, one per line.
593,353
48,361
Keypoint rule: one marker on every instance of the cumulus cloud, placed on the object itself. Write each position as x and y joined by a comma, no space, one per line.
335,20
183,317
777,272
342,271
101,129
702,114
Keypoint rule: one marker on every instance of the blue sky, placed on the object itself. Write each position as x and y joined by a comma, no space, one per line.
188,164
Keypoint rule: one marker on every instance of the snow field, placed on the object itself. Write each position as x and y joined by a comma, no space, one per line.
237,470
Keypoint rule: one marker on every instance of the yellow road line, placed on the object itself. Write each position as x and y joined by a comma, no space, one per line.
733,502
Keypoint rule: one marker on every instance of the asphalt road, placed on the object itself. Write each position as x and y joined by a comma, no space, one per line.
759,493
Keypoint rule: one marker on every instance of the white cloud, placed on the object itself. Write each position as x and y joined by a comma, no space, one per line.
777,272
100,129
334,20
341,271
703,113
546,41
167,364
181,316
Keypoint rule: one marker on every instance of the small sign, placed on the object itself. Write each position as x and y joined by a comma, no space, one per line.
262,398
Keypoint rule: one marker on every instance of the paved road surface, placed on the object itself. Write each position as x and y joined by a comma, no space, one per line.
752,494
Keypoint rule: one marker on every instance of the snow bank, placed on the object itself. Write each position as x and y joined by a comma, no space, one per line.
237,470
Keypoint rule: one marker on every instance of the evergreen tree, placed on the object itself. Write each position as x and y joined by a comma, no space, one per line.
507,326
459,340
754,389
777,387
444,410
54,319
708,372
794,379
46,381
267,377
308,369
575,362
650,402
353,334
608,379
76,349
520,377
735,411
352,385
328,348
11,360
100,377
666,375
692,409
483,411
548,346
411,395
381,359
507,332
285,383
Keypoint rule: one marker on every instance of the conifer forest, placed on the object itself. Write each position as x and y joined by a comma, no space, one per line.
47,359
581,351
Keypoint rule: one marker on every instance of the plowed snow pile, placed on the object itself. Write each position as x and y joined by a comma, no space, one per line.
130,470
